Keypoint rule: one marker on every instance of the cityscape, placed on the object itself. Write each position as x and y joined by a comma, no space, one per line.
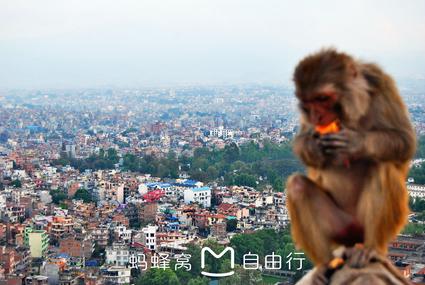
188,142
181,185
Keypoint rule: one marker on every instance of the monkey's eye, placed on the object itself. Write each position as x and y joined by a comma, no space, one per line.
322,98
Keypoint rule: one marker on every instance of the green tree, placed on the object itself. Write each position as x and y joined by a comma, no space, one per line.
245,243
264,242
16,183
278,185
63,206
250,152
58,196
199,175
200,164
83,194
231,152
155,276
233,279
131,162
414,229
421,216
112,155
249,277
240,166
195,260
171,155
418,174
163,171
417,204
231,225
297,276
213,264
198,281
245,180
212,173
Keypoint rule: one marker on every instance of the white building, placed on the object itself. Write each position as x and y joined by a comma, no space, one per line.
416,190
98,194
122,233
45,197
2,202
221,132
117,275
149,237
201,195
264,200
119,194
117,254
70,150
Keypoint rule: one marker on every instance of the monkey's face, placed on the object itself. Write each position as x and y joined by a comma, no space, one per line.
330,86
320,106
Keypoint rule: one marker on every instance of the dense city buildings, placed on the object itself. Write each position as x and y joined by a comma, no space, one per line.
105,186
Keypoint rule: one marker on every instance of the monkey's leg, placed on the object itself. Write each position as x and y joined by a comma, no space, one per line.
315,218
383,206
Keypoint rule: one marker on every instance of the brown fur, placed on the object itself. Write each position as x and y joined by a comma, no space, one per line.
370,104
373,269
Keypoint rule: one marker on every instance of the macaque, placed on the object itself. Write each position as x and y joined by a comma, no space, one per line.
356,140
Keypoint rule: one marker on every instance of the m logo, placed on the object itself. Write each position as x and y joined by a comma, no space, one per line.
232,261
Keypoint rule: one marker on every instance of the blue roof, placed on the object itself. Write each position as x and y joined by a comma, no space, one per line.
187,183
62,255
92,263
158,184
172,218
199,189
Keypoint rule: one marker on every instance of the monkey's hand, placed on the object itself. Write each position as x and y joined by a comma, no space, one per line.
307,147
347,142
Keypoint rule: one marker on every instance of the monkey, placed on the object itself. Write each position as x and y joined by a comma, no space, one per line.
354,189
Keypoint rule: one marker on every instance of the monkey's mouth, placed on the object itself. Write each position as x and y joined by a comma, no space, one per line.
332,127
325,119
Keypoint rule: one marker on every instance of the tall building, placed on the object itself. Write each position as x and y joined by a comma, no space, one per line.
37,240
101,235
69,150
149,237
117,254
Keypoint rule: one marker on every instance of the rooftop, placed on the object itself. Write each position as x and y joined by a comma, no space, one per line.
199,189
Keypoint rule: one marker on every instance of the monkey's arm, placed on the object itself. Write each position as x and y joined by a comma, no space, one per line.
390,145
380,145
307,148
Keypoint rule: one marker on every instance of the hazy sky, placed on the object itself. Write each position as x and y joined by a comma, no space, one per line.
93,43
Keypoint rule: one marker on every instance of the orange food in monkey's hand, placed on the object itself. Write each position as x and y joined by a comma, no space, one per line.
333,127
